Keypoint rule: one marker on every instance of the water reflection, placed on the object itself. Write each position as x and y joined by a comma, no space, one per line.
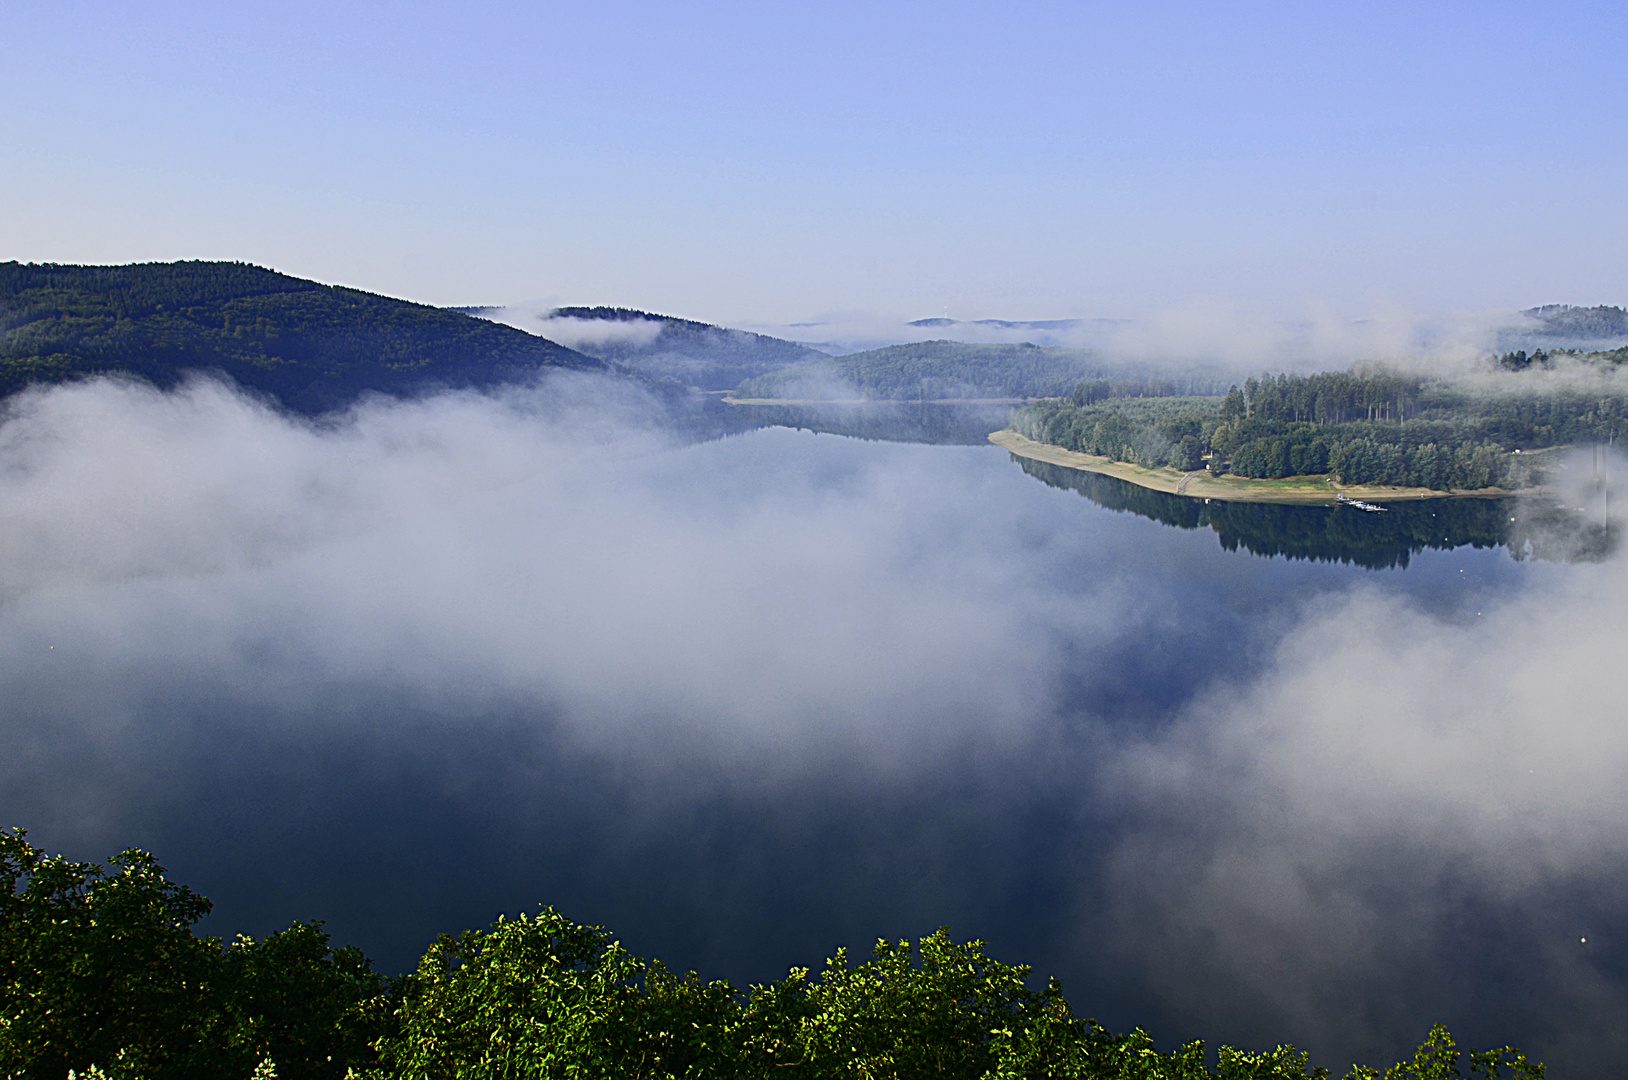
750,700
941,423
1528,526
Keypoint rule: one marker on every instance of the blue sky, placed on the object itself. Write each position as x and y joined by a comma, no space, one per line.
771,163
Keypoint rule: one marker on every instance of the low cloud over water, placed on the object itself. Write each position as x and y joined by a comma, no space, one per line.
748,700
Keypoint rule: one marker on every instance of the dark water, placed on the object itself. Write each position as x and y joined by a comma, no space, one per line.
937,739
1526,526
938,423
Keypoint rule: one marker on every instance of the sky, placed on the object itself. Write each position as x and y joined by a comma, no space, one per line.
494,614
769,164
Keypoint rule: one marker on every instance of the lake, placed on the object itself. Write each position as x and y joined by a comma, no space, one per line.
747,700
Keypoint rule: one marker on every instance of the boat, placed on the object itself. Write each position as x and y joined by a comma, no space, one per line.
1341,497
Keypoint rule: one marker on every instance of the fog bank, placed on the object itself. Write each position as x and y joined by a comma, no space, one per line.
1208,330
785,687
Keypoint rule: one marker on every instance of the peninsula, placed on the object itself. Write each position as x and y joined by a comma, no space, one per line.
1373,433
1201,484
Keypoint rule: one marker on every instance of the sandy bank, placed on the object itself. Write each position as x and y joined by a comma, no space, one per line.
1201,485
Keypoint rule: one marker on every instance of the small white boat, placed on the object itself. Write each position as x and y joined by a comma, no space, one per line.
1340,497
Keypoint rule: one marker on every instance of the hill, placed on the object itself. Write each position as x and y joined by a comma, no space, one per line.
953,369
1009,324
310,346
1563,321
695,353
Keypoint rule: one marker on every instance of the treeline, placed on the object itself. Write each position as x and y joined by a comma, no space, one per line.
1334,397
1520,360
101,974
1364,426
1089,393
697,354
1601,322
310,346
1172,431
952,424
1375,541
932,369
956,369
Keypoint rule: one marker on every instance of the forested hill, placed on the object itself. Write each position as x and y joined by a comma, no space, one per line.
1601,323
934,369
695,353
310,346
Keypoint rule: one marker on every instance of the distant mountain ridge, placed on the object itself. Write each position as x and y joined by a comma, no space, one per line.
1599,323
697,354
932,369
1012,324
312,347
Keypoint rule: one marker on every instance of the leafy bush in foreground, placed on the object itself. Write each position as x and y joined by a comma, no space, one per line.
99,966
100,973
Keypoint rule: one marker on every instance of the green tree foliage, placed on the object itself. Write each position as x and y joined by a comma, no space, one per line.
961,423
1438,1058
103,975
1376,541
1364,426
99,966
1519,361
1146,431
309,346
1187,454
934,1010
1583,323
311,1009
955,369
694,353
536,998
544,997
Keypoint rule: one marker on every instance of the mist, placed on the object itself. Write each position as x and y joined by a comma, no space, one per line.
1214,330
1395,785
571,331
748,700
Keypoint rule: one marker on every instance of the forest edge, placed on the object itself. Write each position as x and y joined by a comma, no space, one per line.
1202,485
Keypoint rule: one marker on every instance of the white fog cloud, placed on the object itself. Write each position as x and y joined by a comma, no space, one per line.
1292,844
1209,330
498,548
1319,835
573,332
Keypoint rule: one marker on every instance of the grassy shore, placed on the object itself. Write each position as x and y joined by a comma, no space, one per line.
1201,485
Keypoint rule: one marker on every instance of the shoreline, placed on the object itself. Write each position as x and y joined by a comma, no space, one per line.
1315,490
727,399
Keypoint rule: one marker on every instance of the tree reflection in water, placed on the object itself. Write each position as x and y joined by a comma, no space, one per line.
1528,526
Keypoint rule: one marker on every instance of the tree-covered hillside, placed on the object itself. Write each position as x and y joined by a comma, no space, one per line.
695,353
310,346
1364,426
943,369
1600,323
101,973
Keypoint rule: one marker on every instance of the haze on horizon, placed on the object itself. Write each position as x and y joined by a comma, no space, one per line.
749,698
761,166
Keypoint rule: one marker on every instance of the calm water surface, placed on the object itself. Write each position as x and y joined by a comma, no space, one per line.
816,690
